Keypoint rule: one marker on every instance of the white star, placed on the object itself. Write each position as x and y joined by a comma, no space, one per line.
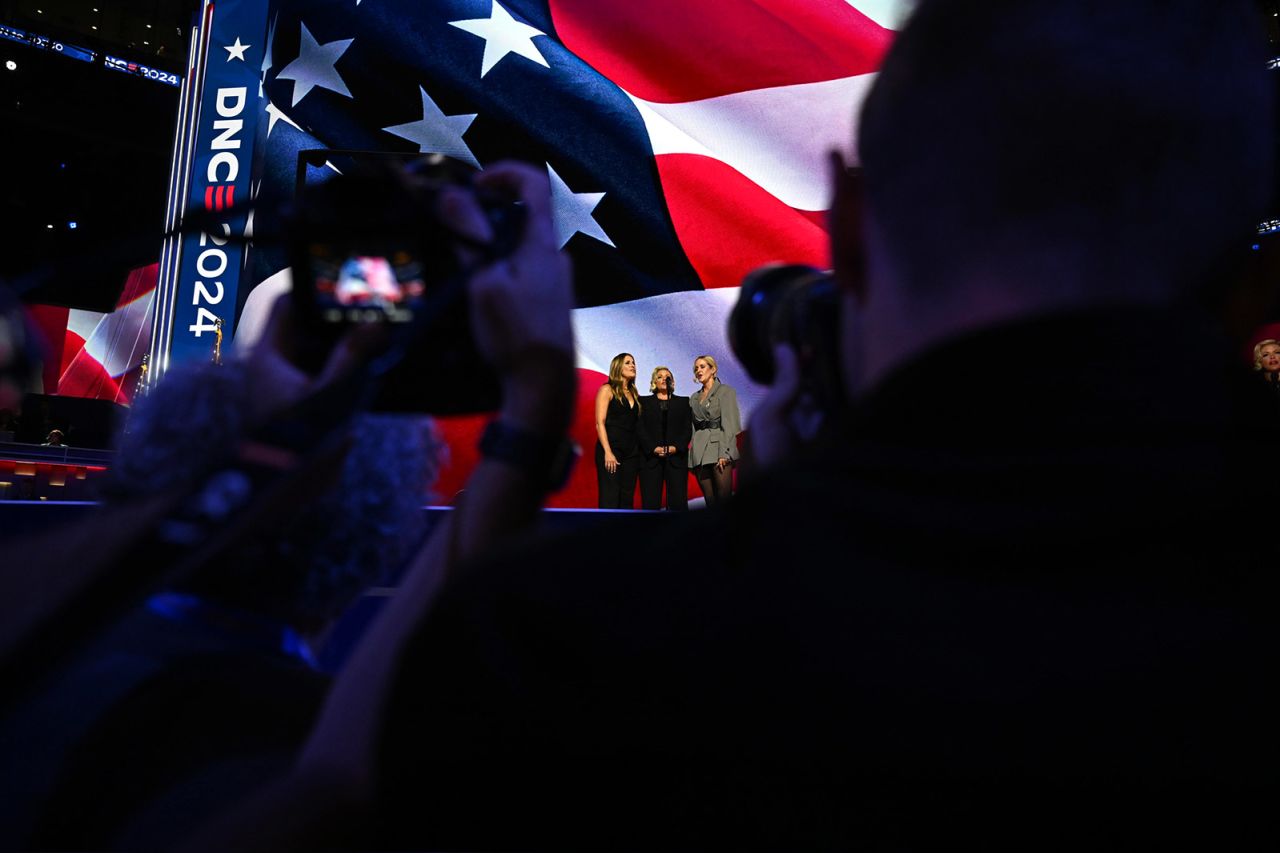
438,133
236,51
503,34
571,212
315,67
274,115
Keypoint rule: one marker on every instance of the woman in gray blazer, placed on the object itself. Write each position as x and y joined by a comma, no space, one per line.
716,424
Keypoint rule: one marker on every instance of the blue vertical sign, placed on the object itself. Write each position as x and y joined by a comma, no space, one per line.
208,274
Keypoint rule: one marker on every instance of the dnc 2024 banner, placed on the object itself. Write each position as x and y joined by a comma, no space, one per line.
685,143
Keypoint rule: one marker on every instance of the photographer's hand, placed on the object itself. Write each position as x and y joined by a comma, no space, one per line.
520,310
520,315
520,304
276,382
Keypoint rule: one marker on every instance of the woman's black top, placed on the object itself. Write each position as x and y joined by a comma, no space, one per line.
665,423
620,425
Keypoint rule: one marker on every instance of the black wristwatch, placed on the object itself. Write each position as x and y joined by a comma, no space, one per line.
548,461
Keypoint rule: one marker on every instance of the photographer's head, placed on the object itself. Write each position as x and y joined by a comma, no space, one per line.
1030,157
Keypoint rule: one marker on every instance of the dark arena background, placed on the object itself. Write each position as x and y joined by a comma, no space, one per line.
158,156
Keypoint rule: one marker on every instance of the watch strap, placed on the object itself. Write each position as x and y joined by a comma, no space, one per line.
548,461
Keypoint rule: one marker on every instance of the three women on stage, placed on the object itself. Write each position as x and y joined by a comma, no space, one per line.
660,437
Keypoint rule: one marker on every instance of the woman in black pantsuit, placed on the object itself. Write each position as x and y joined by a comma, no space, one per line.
618,456
666,426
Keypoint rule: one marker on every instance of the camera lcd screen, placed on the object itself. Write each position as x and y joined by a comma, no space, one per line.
367,249
355,288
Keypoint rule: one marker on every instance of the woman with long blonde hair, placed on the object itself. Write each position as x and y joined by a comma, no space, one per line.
618,450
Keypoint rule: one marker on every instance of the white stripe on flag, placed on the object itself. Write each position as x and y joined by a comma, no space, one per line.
672,330
779,137
116,340
83,323
890,14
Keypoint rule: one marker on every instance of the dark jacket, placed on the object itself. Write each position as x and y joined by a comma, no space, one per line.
1030,614
679,429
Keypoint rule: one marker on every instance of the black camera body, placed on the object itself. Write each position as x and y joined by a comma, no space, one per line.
799,306
367,247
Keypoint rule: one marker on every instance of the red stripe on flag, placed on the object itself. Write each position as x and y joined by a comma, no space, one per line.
85,377
462,434
728,225
72,347
671,51
208,198
231,195
218,202
817,217
141,281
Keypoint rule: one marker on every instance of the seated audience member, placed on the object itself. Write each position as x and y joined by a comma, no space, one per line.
665,429
209,688
1024,601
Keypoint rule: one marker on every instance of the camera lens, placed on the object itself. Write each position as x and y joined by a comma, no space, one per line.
777,304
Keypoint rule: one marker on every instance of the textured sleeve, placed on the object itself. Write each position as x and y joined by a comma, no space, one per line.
730,419
685,435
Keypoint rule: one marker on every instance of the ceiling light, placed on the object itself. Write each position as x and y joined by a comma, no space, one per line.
10,65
